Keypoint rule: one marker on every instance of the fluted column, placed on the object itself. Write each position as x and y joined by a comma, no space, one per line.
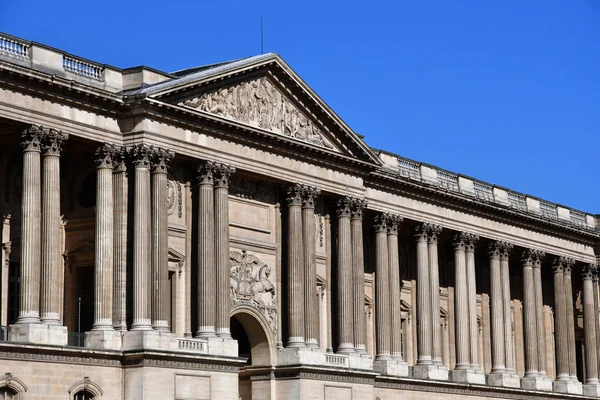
497,309
207,274
509,356
461,300
382,290
50,293
424,329
358,269
393,222
539,313
296,324
345,293
222,177
142,256
120,204
530,258
596,313
309,195
434,287
106,156
560,322
471,243
570,320
29,301
160,240
589,325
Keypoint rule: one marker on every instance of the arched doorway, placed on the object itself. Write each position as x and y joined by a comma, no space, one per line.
256,342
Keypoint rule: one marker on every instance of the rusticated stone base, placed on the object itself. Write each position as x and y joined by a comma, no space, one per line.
149,340
568,386
537,383
391,367
104,340
53,335
430,371
473,376
504,380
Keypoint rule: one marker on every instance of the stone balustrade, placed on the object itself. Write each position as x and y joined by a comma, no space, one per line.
84,68
14,47
338,360
192,345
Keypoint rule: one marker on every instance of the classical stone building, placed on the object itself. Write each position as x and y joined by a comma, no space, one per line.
220,233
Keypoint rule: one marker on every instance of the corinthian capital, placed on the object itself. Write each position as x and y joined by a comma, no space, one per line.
393,222
380,223
160,159
589,271
500,249
52,142
532,256
107,156
206,173
356,210
141,155
428,231
561,264
31,138
344,206
222,175
309,196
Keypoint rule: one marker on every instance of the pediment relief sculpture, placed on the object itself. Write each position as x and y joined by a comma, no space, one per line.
250,284
260,104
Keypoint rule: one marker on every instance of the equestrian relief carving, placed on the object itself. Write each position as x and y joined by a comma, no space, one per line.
258,103
250,284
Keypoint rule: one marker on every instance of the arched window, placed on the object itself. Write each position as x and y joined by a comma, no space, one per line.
7,394
83,395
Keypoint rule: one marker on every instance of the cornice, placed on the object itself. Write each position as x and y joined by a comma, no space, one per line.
428,193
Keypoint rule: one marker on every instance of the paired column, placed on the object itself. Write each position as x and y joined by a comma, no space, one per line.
434,289
532,260
222,177
424,323
470,244
539,314
358,268
311,327
393,222
509,356
383,310
560,321
567,268
497,308
296,311
345,292
160,240
106,156
120,206
51,262
592,385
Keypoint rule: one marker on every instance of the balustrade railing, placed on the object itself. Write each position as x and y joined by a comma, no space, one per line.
548,210
193,345
14,47
483,191
83,68
517,201
447,180
578,218
336,360
409,169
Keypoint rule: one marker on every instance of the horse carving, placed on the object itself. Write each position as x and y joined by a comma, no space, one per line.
249,277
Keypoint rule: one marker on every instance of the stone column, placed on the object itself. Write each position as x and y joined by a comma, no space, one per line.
596,313
142,255
160,240
222,177
570,321
31,207
461,303
207,306
382,290
424,329
51,258
296,314
471,243
394,283
120,193
539,313
497,309
309,195
509,356
345,293
434,287
592,385
106,155
560,322
358,269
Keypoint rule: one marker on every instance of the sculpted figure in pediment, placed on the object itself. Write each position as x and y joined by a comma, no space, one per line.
259,103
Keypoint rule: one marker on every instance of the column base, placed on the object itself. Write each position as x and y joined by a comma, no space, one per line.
470,375
149,340
53,335
391,367
304,355
104,340
430,371
591,389
537,383
568,386
222,346
504,379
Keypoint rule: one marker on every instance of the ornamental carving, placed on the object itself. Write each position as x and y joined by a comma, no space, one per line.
260,104
174,196
252,190
250,284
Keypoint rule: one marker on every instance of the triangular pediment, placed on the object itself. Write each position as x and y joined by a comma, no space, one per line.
265,94
260,103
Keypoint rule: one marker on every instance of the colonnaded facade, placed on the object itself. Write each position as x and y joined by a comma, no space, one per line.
220,233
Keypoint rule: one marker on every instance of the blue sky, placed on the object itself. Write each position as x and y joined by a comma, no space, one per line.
504,91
